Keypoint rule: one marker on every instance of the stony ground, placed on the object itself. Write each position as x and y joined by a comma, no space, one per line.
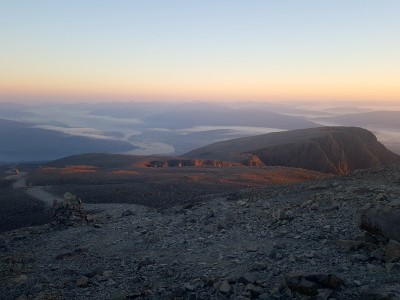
243,245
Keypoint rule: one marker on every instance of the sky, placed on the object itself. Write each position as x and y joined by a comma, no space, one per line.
216,50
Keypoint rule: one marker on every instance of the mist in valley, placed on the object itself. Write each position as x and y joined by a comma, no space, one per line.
160,128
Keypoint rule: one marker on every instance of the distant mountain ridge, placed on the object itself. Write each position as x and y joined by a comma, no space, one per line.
337,150
227,117
23,142
387,119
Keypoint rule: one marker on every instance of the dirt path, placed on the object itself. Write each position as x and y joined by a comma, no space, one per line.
37,192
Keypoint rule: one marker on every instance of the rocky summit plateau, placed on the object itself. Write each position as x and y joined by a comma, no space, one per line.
285,234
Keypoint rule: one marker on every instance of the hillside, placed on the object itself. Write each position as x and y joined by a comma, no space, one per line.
23,142
337,150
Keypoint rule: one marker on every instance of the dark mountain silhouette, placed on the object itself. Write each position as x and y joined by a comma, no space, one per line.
336,150
23,142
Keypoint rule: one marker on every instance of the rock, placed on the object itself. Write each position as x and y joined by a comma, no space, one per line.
350,245
360,257
324,294
254,290
96,271
36,289
382,293
258,266
248,278
83,281
329,208
188,287
393,268
110,282
21,278
127,213
379,254
394,203
375,268
280,214
319,187
357,282
101,278
380,197
264,296
274,254
252,248
118,296
225,287
310,284
69,196
90,218
392,250
241,202
380,221
76,252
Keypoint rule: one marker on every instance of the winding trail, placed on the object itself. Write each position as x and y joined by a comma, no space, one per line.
37,192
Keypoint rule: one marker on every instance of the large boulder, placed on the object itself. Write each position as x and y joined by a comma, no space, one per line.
311,283
385,222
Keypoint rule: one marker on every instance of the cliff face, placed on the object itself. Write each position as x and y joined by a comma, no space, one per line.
337,150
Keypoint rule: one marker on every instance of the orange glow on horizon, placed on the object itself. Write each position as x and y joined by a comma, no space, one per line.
227,90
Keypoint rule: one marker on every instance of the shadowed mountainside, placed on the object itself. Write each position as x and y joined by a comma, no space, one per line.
23,142
336,150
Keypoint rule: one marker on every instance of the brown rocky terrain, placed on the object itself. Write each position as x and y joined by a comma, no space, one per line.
336,150
335,238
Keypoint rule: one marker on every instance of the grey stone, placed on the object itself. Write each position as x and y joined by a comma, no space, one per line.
380,221
127,213
392,250
312,283
225,287
382,293
375,268
82,281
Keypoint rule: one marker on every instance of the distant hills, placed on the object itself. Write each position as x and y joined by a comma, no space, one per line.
14,111
226,117
23,142
337,150
386,119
